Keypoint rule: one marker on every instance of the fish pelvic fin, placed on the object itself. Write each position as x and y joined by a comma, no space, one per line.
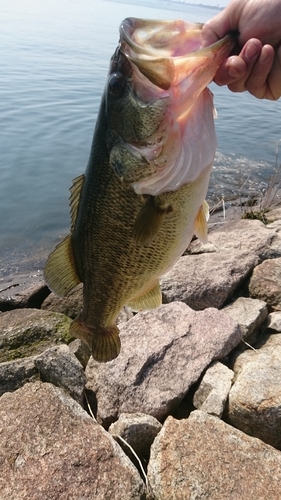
201,228
59,271
149,220
149,300
104,343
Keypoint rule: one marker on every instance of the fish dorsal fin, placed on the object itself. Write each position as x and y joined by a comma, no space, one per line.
149,221
59,271
149,300
74,198
201,229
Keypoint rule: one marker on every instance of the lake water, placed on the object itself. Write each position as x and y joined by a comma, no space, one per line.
54,61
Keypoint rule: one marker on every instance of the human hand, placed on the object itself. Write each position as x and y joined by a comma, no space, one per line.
257,68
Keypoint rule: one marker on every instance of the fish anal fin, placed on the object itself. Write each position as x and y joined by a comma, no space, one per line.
59,271
103,342
75,192
201,228
149,220
149,300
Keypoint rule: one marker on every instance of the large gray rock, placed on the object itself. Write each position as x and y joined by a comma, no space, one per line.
138,430
209,279
259,238
250,314
81,351
255,398
265,283
273,321
204,458
70,305
52,449
27,332
212,393
60,367
14,374
163,353
245,236
30,294
206,280
275,216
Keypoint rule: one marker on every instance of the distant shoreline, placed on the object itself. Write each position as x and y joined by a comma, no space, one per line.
169,4
205,6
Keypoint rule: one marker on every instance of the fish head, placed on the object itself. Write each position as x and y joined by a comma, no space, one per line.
133,110
159,110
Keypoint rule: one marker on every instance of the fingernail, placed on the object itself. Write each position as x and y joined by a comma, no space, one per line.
251,50
233,72
264,55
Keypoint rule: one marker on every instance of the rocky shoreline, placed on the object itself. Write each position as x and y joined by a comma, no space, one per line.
190,409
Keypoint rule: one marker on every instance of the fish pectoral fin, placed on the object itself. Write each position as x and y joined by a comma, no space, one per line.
149,221
149,300
104,343
59,271
201,228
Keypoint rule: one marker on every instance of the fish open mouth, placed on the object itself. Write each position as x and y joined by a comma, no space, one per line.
166,52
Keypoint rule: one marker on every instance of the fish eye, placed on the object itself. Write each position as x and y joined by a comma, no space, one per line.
116,83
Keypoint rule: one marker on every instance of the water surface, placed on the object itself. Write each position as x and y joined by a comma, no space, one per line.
54,61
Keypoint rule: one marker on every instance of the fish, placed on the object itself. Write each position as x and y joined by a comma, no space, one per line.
142,197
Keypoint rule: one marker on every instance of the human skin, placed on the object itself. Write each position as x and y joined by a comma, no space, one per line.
255,64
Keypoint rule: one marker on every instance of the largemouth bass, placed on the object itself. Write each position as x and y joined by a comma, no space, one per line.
141,199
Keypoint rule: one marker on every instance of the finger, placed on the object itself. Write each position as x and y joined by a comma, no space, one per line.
274,78
215,29
237,68
210,34
256,83
227,20
230,70
249,54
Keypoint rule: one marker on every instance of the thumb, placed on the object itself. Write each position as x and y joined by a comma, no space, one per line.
215,29
227,20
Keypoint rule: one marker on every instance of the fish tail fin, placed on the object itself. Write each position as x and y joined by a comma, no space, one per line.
104,343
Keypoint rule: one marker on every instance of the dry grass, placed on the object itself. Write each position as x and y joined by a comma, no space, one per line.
257,203
269,198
